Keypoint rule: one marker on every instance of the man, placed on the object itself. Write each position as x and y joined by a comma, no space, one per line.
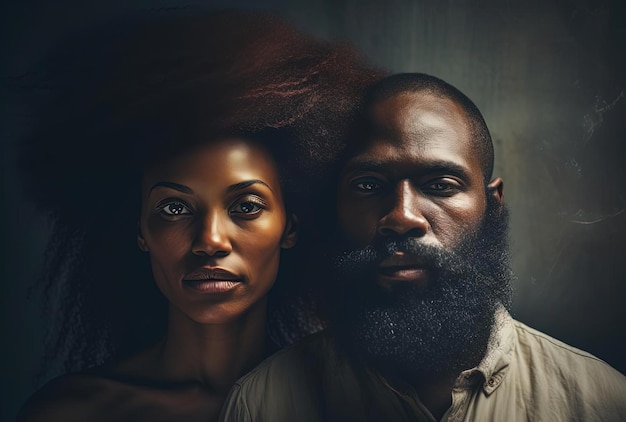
420,328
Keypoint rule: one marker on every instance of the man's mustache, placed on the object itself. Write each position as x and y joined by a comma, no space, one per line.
367,258
362,263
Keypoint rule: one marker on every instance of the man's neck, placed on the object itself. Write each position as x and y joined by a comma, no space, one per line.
435,392
434,389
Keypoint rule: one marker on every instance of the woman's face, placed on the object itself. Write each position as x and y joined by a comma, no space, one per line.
213,222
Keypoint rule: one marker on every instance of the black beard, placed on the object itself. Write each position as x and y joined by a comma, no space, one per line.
443,328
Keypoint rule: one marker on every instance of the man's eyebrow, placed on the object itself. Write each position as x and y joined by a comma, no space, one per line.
369,165
445,166
172,185
439,166
243,185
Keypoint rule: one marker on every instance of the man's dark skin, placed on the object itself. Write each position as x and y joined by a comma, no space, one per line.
419,176
418,286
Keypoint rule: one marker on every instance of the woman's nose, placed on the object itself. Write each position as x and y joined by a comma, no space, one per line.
212,238
405,217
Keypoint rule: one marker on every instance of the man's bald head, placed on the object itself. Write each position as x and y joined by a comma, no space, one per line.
421,83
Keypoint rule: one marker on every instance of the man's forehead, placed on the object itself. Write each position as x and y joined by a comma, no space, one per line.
414,113
414,122
415,131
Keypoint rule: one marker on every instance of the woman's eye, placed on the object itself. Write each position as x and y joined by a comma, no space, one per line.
246,207
175,208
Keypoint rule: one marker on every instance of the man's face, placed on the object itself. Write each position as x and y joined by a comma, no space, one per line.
418,177
425,262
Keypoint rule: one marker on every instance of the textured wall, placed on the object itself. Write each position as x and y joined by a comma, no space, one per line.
549,78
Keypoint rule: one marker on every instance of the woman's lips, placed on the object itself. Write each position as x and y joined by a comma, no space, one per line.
212,280
211,286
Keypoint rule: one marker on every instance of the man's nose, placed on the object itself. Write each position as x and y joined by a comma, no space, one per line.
211,237
405,217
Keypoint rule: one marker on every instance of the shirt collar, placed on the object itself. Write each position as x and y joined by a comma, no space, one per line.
494,366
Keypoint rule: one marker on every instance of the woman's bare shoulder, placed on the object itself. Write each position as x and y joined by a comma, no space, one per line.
81,396
108,394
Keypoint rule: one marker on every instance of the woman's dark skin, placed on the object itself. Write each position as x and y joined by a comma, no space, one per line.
213,222
173,129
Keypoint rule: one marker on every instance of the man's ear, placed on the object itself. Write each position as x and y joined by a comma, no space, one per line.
141,242
290,234
495,188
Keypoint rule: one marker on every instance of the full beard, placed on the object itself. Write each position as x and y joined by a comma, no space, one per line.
442,328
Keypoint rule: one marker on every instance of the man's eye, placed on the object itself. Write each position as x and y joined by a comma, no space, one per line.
175,208
441,187
366,186
246,208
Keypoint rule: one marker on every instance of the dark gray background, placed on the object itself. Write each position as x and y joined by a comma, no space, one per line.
549,78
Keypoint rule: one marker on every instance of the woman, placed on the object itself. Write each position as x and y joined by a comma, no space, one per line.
204,141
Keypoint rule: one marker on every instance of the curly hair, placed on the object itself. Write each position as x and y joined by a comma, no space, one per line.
130,95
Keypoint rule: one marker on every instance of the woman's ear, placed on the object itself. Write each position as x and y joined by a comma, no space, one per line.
141,242
290,234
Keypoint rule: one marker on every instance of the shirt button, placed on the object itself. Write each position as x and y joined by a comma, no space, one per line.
491,382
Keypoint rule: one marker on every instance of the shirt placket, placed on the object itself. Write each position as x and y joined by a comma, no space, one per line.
409,396
461,396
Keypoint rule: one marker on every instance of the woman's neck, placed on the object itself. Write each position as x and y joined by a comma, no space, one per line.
212,355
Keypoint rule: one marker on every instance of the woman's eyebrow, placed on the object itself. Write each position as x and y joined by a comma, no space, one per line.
243,185
172,185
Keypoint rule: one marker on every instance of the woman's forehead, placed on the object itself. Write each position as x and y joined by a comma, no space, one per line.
221,162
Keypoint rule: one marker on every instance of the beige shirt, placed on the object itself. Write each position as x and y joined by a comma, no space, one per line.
525,376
